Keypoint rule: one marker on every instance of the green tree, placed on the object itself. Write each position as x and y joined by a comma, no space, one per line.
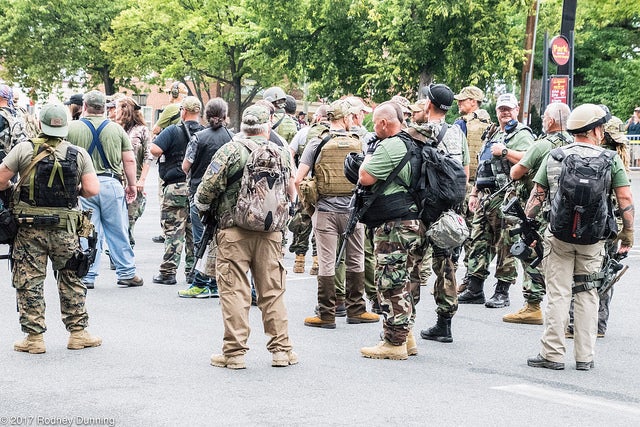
206,41
44,42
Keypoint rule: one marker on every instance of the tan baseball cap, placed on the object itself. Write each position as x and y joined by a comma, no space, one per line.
470,92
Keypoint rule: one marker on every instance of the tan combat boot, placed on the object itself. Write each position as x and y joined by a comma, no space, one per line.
298,264
386,350
32,343
314,267
530,314
284,358
317,322
82,339
412,346
231,362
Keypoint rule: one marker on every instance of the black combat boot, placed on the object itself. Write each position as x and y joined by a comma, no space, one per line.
501,296
473,294
441,332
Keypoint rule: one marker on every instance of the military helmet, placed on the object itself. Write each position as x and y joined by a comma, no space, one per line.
352,166
274,94
586,117
290,104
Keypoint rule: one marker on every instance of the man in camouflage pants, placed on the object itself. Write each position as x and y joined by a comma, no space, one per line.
399,236
41,234
171,144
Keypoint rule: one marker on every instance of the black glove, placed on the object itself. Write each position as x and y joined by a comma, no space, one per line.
206,217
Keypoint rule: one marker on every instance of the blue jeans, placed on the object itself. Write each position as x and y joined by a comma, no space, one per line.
111,221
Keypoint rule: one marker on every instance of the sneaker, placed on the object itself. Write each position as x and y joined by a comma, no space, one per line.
231,362
214,292
284,358
131,282
540,362
165,279
158,239
195,292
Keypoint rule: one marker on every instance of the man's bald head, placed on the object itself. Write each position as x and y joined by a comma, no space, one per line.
388,119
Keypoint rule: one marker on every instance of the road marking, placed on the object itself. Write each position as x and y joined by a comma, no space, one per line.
570,399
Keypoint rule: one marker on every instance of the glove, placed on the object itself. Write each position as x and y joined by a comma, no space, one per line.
626,237
206,217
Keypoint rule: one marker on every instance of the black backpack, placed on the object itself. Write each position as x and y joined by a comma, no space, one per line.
581,210
438,181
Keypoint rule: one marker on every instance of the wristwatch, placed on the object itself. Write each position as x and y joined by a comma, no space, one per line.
504,152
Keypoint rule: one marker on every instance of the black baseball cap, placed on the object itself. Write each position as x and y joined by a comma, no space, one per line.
75,99
440,95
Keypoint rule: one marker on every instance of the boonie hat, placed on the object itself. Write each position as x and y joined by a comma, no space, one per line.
191,104
53,120
508,100
615,128
95,98
441,95
255,115
402,102
75,100
470,92
358,104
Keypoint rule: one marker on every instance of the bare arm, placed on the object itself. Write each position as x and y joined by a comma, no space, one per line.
303,170
186,166
534,204
518,171
155,150
5,177
89,185
129,166
625,204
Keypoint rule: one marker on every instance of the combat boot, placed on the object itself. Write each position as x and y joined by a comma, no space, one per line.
314,267
32,343
82,339
500,297
230,362
530,314
386,350
298,264
462,286
441,332
412,346
473,294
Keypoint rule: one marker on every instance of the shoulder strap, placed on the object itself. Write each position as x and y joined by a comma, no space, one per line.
317,153
275,125
557,154
95,143
443,131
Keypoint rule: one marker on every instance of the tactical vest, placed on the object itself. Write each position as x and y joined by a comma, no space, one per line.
171,169
315,131
476,123
53,182
209,141
329,170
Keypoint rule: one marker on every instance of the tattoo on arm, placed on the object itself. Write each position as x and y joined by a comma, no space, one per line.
628,214
534,204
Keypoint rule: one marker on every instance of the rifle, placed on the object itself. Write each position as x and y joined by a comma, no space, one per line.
528,231
210,224
612,272
357,208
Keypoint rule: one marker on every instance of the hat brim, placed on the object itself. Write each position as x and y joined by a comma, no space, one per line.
460,97
507,104
415,108
59,131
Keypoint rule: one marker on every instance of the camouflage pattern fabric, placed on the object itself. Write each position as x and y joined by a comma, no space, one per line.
445,289
31,249
135,210
399,247
301,227
489,237
176,225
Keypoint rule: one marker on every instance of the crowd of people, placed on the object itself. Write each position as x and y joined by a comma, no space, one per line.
76,186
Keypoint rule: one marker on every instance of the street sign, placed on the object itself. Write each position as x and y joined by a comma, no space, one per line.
558,89
559,51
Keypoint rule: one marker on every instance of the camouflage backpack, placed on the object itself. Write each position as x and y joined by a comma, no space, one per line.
263,203
11,131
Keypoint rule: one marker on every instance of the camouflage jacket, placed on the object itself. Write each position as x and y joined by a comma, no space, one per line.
220,184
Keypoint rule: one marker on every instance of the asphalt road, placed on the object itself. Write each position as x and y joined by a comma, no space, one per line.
153,367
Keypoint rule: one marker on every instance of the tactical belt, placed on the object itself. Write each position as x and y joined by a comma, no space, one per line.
39,217
111,175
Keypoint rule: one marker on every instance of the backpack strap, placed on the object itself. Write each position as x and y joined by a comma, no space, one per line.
276,124
558,154
442,133
95,143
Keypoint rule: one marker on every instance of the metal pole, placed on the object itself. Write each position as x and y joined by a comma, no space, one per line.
545,73
526,119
